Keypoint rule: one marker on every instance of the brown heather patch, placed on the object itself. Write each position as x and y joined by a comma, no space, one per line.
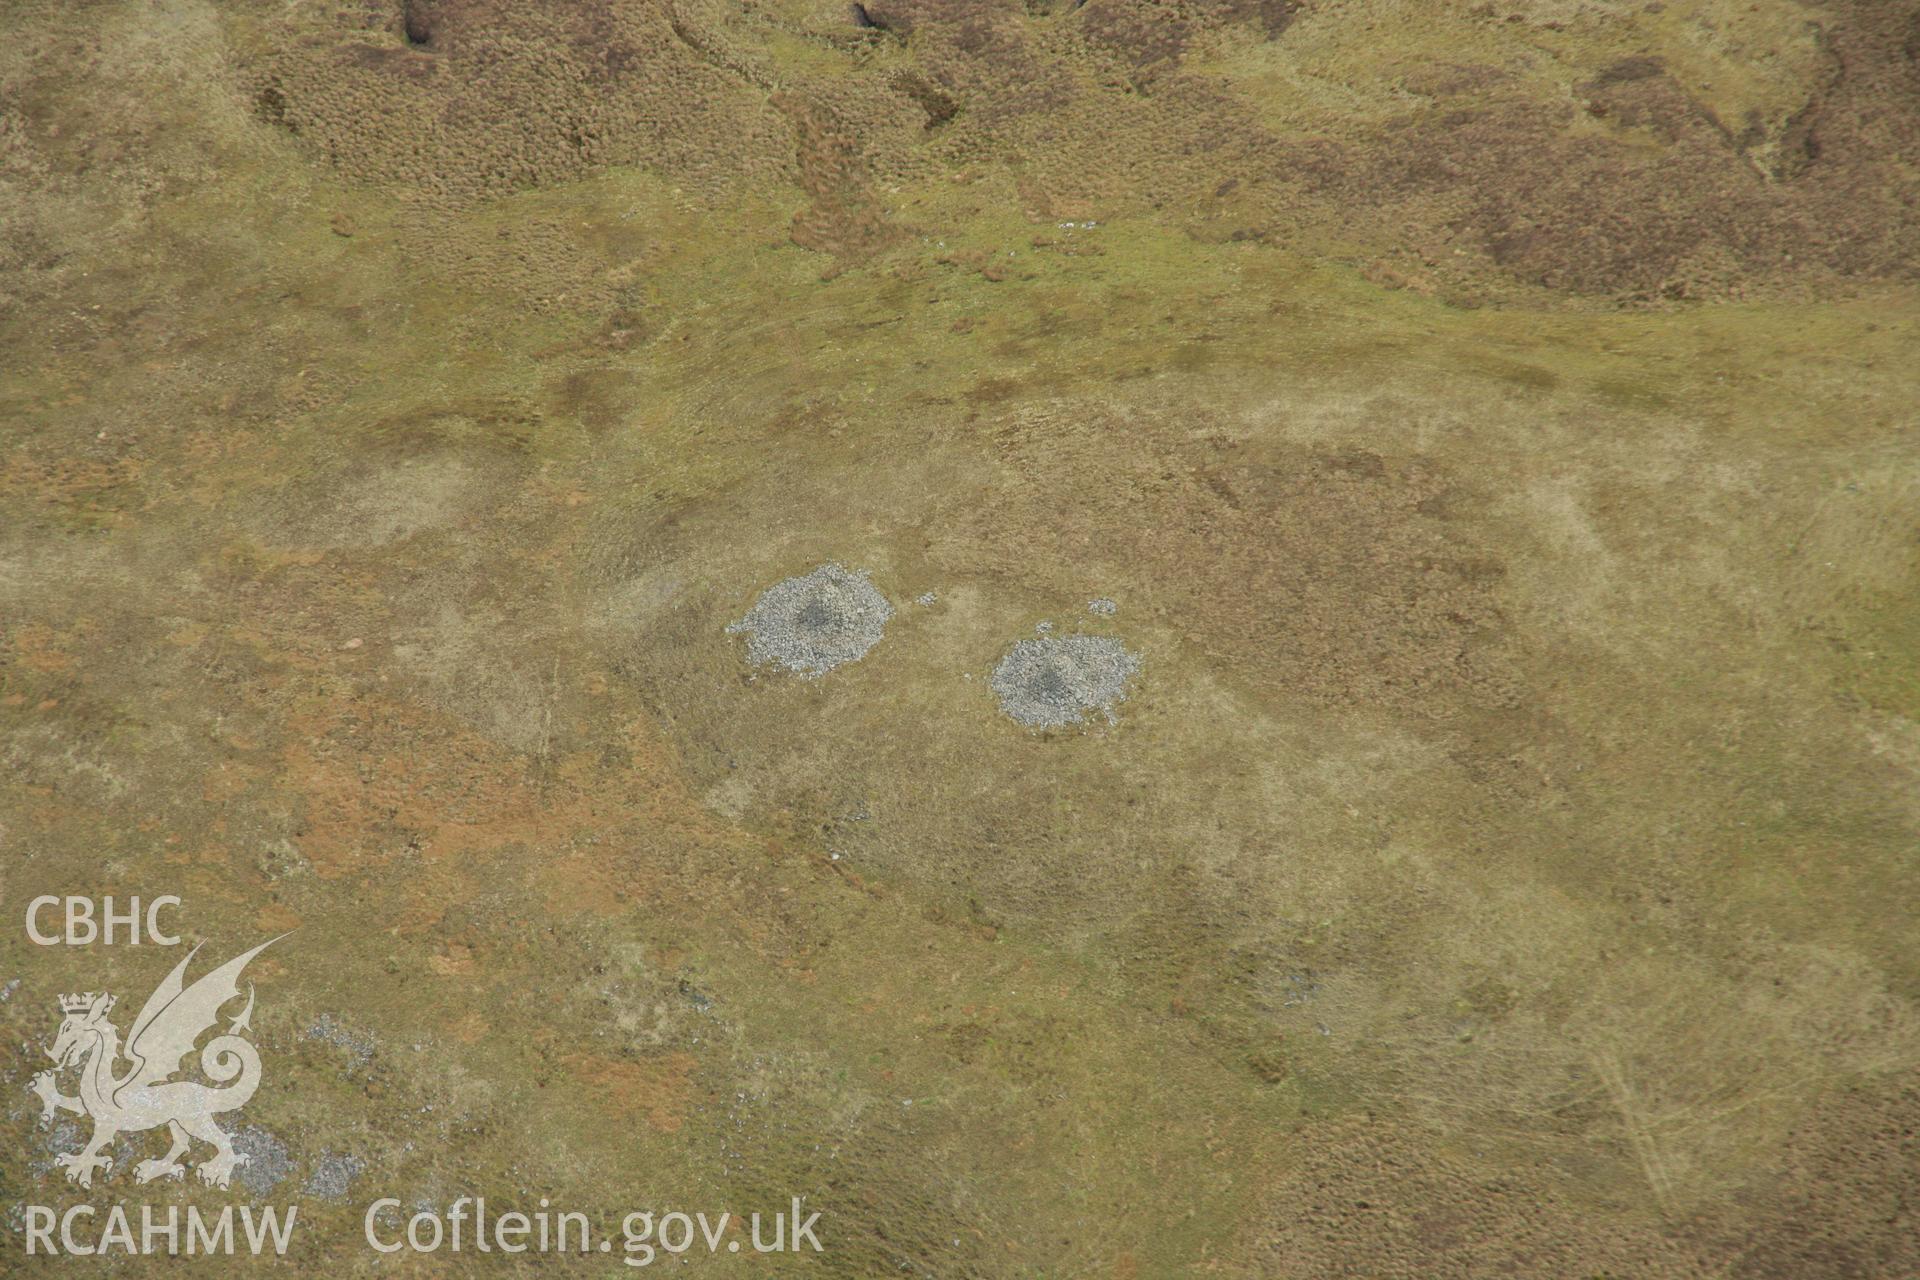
657,1089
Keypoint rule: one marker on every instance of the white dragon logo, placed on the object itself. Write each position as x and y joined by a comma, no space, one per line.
142,1097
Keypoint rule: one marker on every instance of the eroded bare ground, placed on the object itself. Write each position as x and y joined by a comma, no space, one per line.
1492,423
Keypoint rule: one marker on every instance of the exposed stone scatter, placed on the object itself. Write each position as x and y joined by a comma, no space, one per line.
333,1174
266,1164
811,624
1057,680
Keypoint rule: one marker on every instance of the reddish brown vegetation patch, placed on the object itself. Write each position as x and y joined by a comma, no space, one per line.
462,101
1331,576
842,218
1843,1200
1378,1199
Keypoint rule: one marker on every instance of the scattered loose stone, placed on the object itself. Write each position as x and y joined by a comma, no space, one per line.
814,623
1298,988
1058,680
391,1217
358,1045
63,1137
267,1164
59,1137
332,1175
1103,606
926,598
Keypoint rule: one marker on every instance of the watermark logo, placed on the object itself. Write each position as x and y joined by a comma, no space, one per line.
81,921
143,1094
